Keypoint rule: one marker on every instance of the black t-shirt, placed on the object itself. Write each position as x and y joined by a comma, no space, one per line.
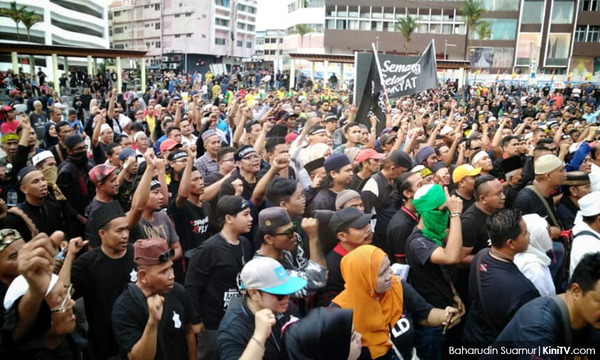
39,124
335,280
357,183
539,324
466,202
504,290
99,153
100,280
237,328
323,200
125,195
429,279
474,229
191,223
130,315
227,188
399,229
47,218
213,275
529,203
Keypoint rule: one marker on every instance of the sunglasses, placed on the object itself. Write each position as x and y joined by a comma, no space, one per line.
4,233
162,258
289,232
63,305
279,297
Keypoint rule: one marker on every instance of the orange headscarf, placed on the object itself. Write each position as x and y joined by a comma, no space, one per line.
373,313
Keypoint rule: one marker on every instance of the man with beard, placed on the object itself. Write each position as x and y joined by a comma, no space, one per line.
38,213
73,181
154,318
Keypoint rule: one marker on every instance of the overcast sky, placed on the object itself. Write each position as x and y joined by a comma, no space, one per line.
271,14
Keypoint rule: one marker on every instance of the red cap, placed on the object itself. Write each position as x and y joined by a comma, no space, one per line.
169,145
100,172
289,138
7,108
151,251
366,154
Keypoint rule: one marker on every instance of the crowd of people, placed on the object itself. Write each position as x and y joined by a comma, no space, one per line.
217,219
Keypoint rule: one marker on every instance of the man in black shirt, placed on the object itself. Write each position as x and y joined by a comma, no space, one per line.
577,186
213,272
100,276
404,221
497,288
569,319
154,318
464,178
489,195
105,179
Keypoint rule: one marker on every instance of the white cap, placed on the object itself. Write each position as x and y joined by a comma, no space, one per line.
39,157
104,127
478,157
19,286
590,204
446,130
268,275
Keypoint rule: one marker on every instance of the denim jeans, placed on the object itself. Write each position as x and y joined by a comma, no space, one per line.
429,342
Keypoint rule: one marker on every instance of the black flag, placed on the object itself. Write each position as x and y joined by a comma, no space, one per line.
373,99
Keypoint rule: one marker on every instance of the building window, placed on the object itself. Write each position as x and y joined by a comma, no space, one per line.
502,29
157,26
353,24
562,12
500,5
224,3
117,13
177,36
580,33
146,6
188,35
177,15
156,7
203,36
219,41
558,48
588,5
593,34
251,28
221,22
533,12
157,44
118,30
188,14
341,25
330,24
239,43
249,44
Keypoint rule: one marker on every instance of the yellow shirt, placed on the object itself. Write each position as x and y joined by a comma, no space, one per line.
151,124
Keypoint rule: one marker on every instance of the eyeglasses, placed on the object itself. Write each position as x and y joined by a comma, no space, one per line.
289,232
63,305
279,297
4,233
252,157
162,258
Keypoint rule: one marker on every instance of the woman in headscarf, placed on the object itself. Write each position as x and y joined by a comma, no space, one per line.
385,306
533,262
325,334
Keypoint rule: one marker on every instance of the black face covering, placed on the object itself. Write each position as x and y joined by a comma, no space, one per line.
79,158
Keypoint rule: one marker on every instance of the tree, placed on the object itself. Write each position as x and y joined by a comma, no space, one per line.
406,26
472,10
15,13
301,29
30,18
483,30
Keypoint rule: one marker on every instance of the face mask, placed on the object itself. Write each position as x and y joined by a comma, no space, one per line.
79,158
50,174
435,223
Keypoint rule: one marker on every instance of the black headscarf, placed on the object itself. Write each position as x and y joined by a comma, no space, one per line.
324,334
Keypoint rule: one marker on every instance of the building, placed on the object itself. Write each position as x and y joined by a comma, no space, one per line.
585,57
268,52
81,23
182,34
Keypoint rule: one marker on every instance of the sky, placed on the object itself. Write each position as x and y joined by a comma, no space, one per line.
271,14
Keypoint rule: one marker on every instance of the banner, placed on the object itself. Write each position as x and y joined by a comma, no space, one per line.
402,75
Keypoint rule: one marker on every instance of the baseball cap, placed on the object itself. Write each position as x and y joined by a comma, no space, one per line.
126,153
344,196
152,251
41,156
288,115
336,162
271,218
100,172
463,171
349,217
590,204
8,108
366,154
401,159
446,130
268,275
169,145
546,164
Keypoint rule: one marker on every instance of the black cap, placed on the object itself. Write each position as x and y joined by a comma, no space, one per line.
271,218
336,162
289,115
314,165
177,154
107,212
401,159
577,178
511,164
437,166
24,171
349,217
72,140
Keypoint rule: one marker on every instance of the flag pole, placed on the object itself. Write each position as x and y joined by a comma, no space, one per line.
387,99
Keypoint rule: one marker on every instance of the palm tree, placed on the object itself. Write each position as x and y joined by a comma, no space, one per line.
15,13
301,29
483,30
30,18
406,26
472,10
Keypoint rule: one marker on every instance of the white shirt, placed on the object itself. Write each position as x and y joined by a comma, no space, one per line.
595,177
537,273
189,141
582,245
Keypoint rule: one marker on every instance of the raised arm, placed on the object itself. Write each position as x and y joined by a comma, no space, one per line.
450,254
138,203
184,187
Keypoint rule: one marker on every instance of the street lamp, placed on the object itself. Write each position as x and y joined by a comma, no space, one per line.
446,45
